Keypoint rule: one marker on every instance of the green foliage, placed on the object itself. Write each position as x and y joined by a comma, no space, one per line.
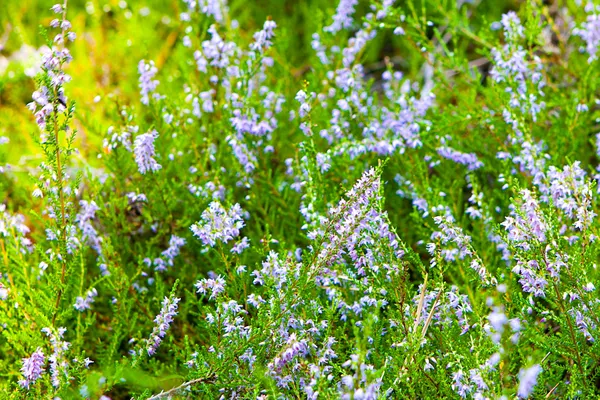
205,205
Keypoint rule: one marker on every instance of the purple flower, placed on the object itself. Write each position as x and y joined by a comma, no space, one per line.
175,244
86,214
512,25
273,271
460,386
215,286
262,38
249,357
301,97
454,234
214,8
58,362
528,380
531,280
82,304
144,152
162,323
148,85
470,159
240,246
33,368
244,155
527,224
293,348
216,52
342,19
590,33
218,224
476,378
584,322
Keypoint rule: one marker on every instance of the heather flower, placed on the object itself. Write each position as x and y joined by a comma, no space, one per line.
571,192
476,378
356,44
590,33
460,385
175,245
249,357
451,233
215,286
294,347
83,219
323,162
214,8
320,49
273,271
209,191
262,38
513,68
13,226
512,25
162,323
229,318
301,97
470,160
218,224
528,380
240,246
58,362
216,51
82,304
497,320
342,18
136,198
353,222
245,157
532,279
33,368
3,292
145,153
255,301
445,309
120,138
584,323
148,84
52,99
526,223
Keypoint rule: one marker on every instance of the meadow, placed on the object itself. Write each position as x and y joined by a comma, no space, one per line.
311,199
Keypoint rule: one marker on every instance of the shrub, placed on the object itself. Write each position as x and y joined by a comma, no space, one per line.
375,200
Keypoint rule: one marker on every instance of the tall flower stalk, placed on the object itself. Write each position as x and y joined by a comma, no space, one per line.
53,115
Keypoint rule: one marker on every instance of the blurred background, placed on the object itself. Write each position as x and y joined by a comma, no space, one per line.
112,36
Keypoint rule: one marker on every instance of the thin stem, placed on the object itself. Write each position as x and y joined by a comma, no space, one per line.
571,332
176,389
59,177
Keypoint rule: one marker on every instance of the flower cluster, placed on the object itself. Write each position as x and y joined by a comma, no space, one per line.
590,33
59,365
398,202
33,368
82,304
219,224
148,84
162,323
144,152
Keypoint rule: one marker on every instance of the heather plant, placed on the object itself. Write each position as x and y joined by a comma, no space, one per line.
359,200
